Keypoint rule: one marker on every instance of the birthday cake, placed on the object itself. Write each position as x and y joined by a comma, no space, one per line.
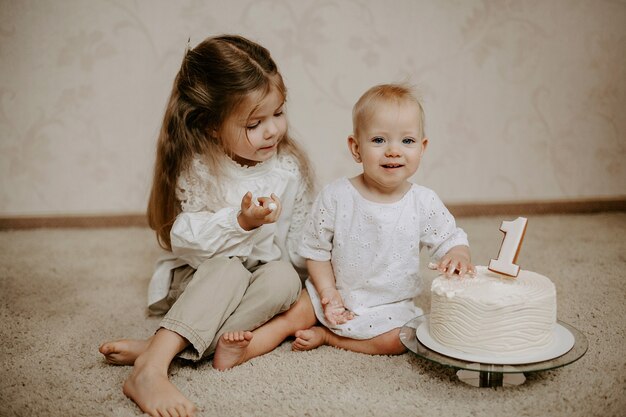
491,314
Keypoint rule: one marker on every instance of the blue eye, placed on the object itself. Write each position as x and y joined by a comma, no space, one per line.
408,141
378,139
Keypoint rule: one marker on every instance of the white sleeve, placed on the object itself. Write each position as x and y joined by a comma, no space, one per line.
317,237
438,228
198,236
301,209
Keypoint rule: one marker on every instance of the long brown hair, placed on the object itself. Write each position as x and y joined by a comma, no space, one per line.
213,80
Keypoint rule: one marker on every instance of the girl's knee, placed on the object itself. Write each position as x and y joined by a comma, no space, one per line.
282,283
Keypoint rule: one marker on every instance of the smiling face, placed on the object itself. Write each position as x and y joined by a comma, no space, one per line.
390,147
252,132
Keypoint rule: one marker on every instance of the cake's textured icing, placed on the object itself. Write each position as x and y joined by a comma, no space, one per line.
492,314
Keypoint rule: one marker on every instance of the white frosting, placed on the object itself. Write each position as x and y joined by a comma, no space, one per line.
493,314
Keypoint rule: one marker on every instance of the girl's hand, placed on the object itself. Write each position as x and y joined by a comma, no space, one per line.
334,310
252,216
456,260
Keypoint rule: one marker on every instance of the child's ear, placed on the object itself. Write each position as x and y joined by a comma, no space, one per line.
424,144
353,146
214,134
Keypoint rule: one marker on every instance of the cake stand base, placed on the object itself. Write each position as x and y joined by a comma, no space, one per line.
485,375
483,379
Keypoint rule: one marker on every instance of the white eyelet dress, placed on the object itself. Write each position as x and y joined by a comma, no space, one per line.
374,251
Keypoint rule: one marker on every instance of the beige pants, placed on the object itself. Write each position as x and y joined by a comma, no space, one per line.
222,295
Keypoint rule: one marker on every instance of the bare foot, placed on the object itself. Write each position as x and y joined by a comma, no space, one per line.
311,338
231,349
155,394
124,351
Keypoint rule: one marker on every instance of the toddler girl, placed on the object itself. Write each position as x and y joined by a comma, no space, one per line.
229,198
365,233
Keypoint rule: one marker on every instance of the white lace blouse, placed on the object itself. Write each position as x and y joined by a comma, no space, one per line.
208,226
374,251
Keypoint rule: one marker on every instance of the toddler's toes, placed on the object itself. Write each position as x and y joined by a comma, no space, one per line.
299,344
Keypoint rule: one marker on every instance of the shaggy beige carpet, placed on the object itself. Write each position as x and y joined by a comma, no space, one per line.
65,291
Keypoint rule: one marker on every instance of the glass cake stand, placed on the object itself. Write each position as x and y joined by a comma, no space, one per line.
486,374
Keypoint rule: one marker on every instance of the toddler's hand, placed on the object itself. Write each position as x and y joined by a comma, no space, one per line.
252,216
457,260
334,310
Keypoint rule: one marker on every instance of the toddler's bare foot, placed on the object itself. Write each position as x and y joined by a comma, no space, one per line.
231,349
155,394
124,351
311,338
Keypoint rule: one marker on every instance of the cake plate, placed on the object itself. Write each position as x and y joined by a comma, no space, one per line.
487,374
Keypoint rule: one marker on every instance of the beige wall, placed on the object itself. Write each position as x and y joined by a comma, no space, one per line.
525,100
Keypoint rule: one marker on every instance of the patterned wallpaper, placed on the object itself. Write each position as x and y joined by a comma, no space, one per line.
524,99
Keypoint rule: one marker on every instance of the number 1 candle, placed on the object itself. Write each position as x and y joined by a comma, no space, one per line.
511,244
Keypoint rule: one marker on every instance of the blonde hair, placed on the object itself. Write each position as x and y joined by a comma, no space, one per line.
214,79
367,104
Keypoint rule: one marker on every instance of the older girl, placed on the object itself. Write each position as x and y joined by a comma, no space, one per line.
230,194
